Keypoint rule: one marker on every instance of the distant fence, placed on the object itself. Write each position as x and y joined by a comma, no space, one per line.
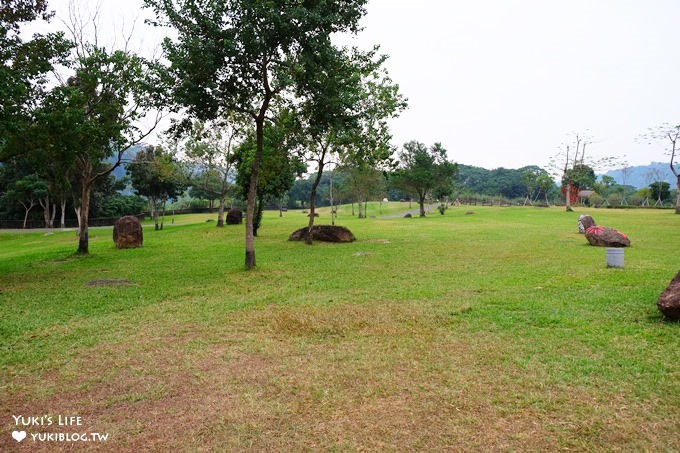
68,223
192,211
104,221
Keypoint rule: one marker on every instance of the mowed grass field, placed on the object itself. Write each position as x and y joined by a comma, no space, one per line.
497,330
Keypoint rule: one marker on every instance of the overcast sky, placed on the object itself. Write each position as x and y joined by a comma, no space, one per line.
502,83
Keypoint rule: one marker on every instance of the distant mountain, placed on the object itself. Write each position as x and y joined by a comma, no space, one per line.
129,156
643,175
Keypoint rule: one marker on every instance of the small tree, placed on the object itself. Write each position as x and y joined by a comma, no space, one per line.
423,170
27,191
345,114
615,199
210,146
670,134
660,191
595,199
362,182
530,178
545,185
156,175
604,186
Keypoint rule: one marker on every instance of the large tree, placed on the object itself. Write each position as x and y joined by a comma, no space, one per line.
423,170
24,65
24,69
246,55
93,119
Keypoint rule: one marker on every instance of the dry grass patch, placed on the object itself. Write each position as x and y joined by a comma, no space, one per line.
353,377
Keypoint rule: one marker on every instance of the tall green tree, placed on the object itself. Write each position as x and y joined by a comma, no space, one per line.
244,56
93,119
24,66
422,170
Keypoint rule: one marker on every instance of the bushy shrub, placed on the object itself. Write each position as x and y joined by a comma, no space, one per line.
595,199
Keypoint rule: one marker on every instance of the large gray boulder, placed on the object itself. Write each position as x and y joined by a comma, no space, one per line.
127,233
669,300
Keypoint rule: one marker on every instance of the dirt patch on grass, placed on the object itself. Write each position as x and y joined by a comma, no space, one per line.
110,282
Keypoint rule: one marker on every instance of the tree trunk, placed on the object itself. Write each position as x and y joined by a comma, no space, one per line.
259,207
28,209
220,212
155,214
361,207
53,215
252,193
45,204
677,196
62,221
421,202
331,200
78,211
312,200
83,230
567,198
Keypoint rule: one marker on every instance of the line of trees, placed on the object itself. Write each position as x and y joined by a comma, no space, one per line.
239,74
261,94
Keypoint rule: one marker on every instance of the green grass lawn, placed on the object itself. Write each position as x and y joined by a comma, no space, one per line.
498,330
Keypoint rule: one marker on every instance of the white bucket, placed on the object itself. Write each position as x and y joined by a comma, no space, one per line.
614,257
